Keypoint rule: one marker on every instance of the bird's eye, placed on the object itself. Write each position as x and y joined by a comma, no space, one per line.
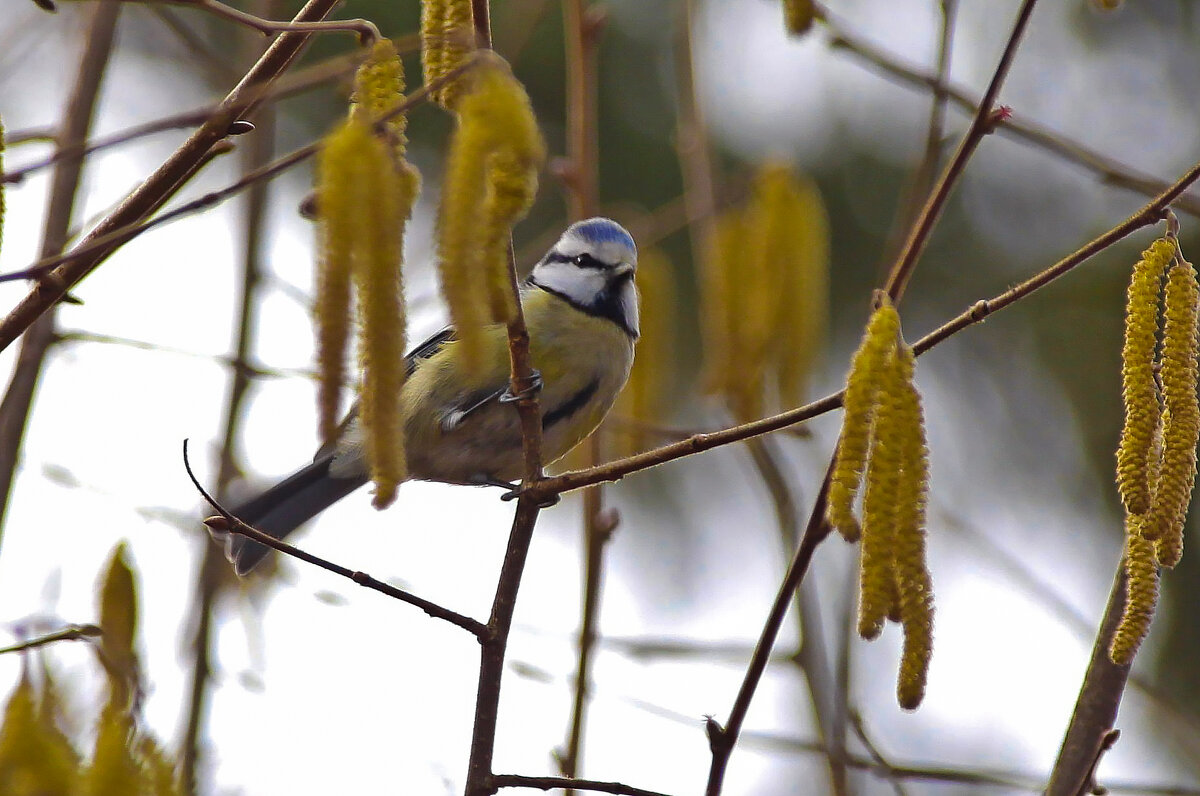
586,261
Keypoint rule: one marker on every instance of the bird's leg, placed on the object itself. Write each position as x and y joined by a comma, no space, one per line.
535,386
480,479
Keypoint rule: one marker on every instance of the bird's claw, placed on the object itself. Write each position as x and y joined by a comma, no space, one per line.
519,489
535,386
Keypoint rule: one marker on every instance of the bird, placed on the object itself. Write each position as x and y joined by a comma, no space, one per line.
581,309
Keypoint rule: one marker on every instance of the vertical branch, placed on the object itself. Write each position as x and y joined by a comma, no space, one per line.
581,28
691,137
811,658
257,149
60,204
1096,707
921,181
523,386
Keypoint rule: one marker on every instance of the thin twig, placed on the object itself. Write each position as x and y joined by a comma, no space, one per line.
581,29
976,313
60,205
47,267
523,386
811,658
68,633
547,783
366,30
230,524
983,122
1110,171
881,763
288,86
167,178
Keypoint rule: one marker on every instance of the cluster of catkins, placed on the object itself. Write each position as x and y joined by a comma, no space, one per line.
1156,460
365,194
883,439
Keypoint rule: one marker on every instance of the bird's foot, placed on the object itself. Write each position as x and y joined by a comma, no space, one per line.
518,489
535,386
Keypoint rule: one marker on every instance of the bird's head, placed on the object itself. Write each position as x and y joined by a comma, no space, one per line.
593,266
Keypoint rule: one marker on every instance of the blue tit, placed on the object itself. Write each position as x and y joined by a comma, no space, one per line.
581,309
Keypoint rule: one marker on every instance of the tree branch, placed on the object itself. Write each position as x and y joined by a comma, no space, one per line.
547,783
177,169
1110,171
228,523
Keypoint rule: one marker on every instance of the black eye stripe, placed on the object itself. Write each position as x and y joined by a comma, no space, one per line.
581,260
588,261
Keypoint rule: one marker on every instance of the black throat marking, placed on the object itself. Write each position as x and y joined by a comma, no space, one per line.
607,305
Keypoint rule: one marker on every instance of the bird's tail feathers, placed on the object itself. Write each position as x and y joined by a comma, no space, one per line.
285,507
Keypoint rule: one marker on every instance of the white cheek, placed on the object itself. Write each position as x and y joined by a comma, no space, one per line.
580,284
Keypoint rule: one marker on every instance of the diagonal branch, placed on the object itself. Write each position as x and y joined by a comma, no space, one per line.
176,170
228,523
1110,171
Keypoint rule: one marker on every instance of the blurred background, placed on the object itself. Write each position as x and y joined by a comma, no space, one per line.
295,681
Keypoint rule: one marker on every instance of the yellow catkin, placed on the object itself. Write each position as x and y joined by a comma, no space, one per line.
378,87
877,583
798,16
1141,596
913,581
341,173
806,284
761,312
1181,424
1139,392
490,181
447,38
720,294
862,386
382,322
644,398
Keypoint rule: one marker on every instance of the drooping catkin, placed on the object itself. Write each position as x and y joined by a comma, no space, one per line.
489,184
764,290
1181,422
1139,392
447,38
341,173
382,321
867,368
378,87
798,16
721,298
365,194
881,497
1141,597
806,284
913,581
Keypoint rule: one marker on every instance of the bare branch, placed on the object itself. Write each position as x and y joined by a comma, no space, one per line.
228,523
547,783
177,169
68,633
